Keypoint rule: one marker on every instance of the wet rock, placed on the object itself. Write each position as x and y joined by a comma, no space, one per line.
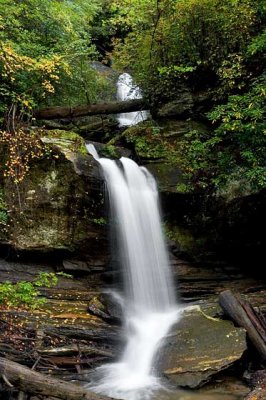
199,347
106,307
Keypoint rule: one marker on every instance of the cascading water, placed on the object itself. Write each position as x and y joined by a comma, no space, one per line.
150,308
126,90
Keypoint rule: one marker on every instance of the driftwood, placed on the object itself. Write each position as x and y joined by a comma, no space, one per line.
245,316
90,109
33,382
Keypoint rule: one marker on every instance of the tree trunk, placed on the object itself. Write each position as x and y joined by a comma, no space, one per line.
245,316
33,382
90,109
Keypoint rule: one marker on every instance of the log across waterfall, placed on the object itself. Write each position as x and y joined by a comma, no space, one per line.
150,306
90,109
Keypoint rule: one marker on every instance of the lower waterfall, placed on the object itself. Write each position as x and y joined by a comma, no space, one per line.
150,305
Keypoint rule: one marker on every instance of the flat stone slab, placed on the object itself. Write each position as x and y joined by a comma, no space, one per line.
199,347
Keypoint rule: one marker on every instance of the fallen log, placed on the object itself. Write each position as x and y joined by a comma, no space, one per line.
74,349
245,316
33,382
90,109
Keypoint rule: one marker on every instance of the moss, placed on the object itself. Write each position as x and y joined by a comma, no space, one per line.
109,151
66,140
181,236
99,221
147,140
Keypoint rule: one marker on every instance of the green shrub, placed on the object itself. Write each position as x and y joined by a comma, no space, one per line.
236,150
26,294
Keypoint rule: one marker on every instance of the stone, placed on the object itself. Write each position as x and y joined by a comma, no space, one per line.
60,200
199,347
85,266
106,307
181,106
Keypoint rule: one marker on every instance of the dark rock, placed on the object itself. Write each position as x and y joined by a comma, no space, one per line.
96,265
102,334
180,107
106,307
258,378
186,103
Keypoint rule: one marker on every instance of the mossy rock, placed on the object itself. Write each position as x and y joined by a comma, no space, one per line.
65,141
54,206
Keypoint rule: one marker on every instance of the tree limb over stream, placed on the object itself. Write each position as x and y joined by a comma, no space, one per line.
91,109
33,382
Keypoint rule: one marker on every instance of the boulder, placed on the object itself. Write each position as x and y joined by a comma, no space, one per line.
199,347
182,106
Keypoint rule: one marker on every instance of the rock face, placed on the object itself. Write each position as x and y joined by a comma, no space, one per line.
185,104
60,203
199,347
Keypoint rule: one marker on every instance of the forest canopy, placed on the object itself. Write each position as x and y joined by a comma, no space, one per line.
47,49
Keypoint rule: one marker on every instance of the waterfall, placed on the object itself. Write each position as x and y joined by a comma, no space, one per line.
126,90
150,308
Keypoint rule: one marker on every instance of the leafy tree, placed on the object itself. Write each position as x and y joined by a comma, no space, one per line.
234,154
168,41
42,46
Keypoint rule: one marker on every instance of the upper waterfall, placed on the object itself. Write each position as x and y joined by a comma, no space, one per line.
126,90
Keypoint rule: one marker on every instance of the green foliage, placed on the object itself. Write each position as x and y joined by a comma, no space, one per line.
3,212
109,151
147,141
25,294
3,215
236,150
201,44
21,294
68,139
45,50
170,40
257,45
100,221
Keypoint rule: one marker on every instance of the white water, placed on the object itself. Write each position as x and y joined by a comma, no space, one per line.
149,301
126,90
